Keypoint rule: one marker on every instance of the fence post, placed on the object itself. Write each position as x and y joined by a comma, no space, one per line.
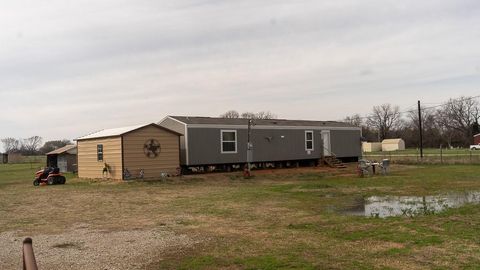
441,155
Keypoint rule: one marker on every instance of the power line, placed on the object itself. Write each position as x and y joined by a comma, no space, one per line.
423,108
445,103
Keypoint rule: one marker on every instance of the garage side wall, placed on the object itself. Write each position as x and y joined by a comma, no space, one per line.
180,128
135,159
90,167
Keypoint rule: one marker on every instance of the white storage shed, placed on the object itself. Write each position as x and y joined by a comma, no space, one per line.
393,145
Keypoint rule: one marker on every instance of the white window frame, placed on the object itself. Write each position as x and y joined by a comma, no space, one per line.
222,141
312,140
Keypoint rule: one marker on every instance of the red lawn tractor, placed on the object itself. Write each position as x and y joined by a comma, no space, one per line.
49,176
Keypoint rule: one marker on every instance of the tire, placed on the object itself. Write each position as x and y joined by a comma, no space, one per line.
50,181
62,180
36,182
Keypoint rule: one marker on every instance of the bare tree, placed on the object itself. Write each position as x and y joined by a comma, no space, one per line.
248,115
459,116
429,121
259,115
431,132
265,115
52,145
384,119
354,120
30,145
10,145
230,114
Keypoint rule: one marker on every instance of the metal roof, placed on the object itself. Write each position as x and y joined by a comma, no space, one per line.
62,150
392,141
198,120
114,132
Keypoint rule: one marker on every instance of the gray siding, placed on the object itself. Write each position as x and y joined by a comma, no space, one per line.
204,146
346,143
180,128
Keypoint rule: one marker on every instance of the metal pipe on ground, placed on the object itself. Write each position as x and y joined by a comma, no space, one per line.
29,262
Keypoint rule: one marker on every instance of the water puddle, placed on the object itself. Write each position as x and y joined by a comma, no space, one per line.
388,206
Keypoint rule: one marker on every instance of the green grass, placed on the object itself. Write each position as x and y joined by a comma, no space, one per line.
286,219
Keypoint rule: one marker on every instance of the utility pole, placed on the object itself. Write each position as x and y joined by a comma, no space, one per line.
420,129
249,147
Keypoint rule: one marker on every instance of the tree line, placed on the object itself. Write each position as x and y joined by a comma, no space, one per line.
249,115
451,124
32,145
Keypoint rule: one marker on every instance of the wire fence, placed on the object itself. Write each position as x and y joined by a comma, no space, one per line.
431,156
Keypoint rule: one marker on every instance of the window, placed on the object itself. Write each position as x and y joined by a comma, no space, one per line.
308,140
99,152
229,141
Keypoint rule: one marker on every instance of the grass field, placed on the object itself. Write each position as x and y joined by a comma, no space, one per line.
283,219
430,151
430,156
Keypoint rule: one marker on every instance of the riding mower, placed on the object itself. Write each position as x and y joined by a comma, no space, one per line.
49,176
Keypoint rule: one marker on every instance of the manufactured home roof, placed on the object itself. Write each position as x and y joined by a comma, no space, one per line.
391,141
197,120
62,150
114,132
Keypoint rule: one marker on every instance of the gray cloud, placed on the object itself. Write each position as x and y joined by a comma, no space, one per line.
88,65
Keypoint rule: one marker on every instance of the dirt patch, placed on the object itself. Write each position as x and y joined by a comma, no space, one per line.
85,248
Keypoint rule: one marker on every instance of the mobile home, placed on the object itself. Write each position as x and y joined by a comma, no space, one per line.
223,141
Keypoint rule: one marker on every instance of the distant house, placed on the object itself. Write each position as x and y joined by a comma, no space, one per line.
64,158
211,141
15,157
371,147
393,145
4,158
476,139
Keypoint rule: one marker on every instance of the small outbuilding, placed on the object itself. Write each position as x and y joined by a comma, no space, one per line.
393,145
368,147
15,158
476,139
64,158
142,151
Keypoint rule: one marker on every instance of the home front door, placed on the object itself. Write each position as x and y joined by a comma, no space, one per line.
327,147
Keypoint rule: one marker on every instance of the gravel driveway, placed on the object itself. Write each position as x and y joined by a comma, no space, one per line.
85,248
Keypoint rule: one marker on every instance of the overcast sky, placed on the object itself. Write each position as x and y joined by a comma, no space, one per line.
68,68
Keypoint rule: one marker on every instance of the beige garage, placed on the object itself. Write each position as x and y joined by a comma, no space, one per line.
393,145
149,150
